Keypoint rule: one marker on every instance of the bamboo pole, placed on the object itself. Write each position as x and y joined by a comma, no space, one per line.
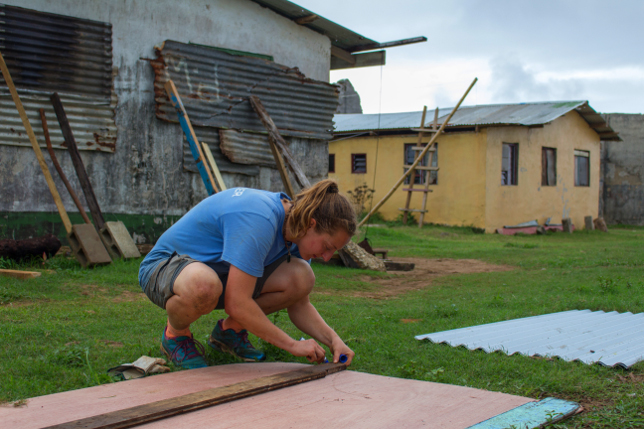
34,144
420,156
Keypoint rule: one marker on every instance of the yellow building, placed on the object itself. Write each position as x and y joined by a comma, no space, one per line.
498,165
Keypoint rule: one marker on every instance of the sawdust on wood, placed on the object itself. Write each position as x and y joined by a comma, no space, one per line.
424,272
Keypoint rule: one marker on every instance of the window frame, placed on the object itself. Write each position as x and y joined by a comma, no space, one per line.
422,176
547,164
513,178
578,155
331,163
353,163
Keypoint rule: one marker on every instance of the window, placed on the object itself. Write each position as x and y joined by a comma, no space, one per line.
359,163
548,166
420,176
582,168
331,163
510,164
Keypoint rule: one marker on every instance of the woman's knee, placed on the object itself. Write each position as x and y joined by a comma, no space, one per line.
302,279
199,286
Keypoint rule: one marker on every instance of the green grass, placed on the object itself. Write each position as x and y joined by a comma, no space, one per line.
63,330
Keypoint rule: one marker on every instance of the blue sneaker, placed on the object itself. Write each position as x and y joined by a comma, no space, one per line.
235,343
184,351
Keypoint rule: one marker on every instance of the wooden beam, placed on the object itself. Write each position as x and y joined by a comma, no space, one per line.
343,55
275,136
22,275
368,59
141,414
213,166
395,43
34,143
72,148
61,173
422,167
195,147
418,158
307,19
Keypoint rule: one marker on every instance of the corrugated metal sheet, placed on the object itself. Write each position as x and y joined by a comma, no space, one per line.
610,339
525,114
48,53
215,86
341,37
211,137
246,148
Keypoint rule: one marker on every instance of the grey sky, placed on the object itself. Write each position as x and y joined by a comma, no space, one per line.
521,51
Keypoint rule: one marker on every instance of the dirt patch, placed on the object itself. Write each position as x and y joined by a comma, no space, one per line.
128,296
114,344
425,271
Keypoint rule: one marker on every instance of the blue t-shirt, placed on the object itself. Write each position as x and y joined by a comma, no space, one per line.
240,227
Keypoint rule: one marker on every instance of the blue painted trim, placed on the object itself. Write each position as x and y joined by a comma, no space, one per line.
193,146
531,415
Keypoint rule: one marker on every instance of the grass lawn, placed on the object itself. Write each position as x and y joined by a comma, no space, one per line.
63,330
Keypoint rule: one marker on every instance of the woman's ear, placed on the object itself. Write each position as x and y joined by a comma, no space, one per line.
312,223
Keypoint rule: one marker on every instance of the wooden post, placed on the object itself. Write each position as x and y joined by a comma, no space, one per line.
275,137
34,144
61,173
78,162
432,154
567,225
431,142
588,223
195,147
213,166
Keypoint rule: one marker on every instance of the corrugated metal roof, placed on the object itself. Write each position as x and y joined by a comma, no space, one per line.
524,114
341,37
610,339
215,86
48,53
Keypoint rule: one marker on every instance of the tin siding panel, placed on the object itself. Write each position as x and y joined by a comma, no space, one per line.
215,86
48,53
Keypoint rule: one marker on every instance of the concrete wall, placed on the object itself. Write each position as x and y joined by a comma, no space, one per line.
469,190
145,175
623,171
510,205
457,199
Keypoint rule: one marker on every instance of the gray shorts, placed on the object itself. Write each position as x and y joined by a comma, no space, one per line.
160,286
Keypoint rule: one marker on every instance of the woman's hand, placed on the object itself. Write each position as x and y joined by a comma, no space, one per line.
339,348
308,348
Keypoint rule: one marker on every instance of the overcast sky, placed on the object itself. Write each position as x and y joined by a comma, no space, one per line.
521,51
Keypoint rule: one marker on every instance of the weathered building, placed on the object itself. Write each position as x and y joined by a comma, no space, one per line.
499,165
623,171
109,61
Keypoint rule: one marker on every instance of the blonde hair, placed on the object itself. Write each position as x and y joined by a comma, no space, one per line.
322,202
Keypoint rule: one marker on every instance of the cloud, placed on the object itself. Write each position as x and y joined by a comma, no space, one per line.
513,82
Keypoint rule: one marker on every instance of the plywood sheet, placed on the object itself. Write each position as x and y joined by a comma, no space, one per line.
347,398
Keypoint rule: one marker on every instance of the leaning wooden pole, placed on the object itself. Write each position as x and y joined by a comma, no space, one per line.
61,173
419,158
34,144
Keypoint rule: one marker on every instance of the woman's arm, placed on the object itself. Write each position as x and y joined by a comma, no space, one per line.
241,307
307,319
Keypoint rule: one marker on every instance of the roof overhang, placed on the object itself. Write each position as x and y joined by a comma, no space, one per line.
348,48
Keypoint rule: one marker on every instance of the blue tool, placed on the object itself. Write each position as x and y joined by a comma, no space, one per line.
343,358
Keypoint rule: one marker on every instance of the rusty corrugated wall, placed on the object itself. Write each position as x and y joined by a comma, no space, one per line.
48,53
215,86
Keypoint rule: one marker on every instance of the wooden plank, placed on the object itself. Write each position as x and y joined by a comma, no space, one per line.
422,167
417,190
402,179
146,413
61,173
34,143
274,136
432,154
422,148
368,59
348,399
343,55
193,142
72,148
18,274
410,210
213,166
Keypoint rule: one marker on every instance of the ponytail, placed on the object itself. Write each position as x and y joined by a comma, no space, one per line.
322,202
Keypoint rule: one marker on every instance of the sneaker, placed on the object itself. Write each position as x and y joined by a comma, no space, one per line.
235,343
184,351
